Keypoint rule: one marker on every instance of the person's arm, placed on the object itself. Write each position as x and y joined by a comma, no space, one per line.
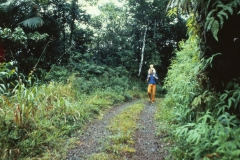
155,76
147,77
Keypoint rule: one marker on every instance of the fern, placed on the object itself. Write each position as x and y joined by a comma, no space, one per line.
230,99
215,29
221,16
208,23
216,17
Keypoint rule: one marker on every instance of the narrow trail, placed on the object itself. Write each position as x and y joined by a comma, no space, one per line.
147,144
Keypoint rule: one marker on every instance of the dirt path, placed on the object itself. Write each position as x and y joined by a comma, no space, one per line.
146,143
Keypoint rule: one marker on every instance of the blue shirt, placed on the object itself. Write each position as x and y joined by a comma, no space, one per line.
152,79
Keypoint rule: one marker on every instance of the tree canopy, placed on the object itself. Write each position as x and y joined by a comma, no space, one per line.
61,31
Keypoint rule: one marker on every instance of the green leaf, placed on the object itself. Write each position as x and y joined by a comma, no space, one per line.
222,13
211,13
229,8
220,16
32,23
223,96
208,23
215,29
230,102
236,153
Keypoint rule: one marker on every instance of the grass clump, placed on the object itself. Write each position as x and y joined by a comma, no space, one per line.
122,128
164,117
37,119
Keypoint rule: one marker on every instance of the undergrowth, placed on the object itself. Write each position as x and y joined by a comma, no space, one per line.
36,120
199,123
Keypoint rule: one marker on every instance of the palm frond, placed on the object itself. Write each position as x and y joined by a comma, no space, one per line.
4,6
32,23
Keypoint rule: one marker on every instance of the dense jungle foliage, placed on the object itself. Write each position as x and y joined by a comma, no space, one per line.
61,67
202,82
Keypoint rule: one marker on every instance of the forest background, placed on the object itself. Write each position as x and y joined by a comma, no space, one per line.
61,67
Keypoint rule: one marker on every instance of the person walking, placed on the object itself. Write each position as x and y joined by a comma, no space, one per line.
152,82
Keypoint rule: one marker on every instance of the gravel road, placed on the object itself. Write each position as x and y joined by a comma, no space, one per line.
147,144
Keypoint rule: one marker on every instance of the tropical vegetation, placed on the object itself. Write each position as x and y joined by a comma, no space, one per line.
61,67
203,83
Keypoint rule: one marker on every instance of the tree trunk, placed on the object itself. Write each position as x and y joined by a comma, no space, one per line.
143,47
73,14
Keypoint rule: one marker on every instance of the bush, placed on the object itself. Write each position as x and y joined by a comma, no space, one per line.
207,127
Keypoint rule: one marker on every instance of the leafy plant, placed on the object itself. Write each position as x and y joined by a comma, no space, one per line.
229,100
205,120
180,83
219,13
211,137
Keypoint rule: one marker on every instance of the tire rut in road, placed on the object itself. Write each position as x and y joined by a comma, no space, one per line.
147,144
90,140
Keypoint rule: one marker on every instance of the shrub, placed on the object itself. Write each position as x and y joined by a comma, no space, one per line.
207,124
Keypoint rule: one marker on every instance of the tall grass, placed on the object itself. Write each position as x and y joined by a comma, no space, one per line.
36,121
